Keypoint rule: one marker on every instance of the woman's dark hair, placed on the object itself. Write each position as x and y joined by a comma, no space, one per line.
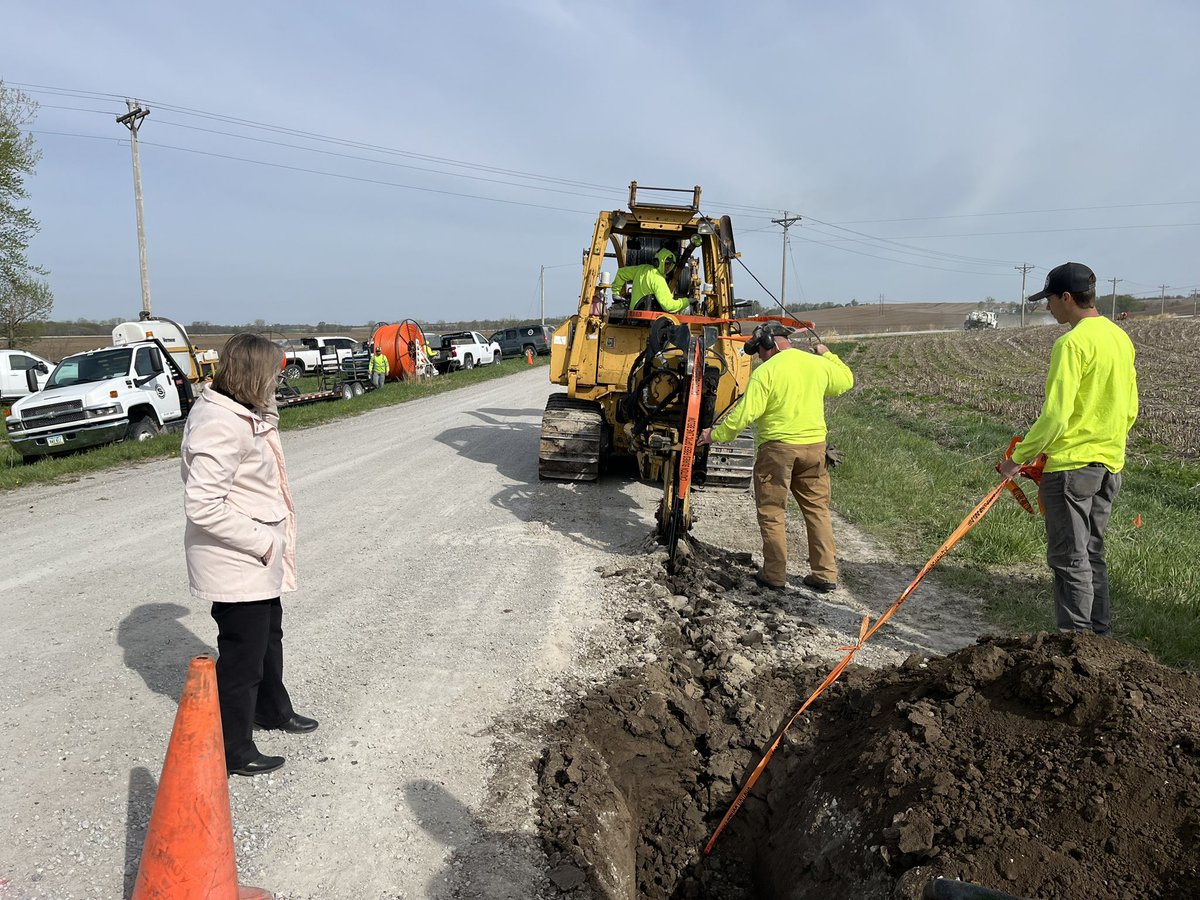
248,370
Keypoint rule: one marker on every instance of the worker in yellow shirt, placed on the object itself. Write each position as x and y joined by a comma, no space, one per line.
1091,403
379,367
651,284
785,399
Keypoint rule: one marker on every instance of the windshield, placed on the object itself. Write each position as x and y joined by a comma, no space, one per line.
99,366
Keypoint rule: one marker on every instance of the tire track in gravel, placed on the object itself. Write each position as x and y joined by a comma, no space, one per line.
438,578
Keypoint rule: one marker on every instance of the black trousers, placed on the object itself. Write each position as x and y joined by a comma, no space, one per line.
249,674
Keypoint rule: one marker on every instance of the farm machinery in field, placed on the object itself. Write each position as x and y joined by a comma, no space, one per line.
642,383
979,318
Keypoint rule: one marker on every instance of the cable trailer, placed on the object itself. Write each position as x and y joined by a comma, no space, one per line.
287,397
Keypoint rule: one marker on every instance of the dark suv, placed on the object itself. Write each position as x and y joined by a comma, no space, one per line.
515,341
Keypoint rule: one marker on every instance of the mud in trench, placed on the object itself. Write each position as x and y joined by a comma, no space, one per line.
1048,766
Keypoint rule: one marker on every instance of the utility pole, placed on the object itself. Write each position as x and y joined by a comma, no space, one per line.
881,304
1114,297
542,291
1162,300
133,121
787,222
1193,304
1025,269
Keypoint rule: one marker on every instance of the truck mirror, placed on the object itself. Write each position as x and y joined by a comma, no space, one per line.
156,363
31,378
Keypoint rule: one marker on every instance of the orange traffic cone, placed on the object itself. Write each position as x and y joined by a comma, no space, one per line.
529,357
188,851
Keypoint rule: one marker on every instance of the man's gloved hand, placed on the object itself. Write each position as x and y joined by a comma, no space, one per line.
833,456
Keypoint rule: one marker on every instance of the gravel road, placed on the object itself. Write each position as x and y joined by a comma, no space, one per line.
444,595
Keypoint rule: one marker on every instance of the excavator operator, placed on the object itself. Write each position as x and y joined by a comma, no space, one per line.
653,282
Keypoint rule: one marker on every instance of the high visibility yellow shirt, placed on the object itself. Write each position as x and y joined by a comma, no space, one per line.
379,363
647,279
785,398
1091,400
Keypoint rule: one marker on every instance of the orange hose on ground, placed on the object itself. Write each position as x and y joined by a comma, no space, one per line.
864,634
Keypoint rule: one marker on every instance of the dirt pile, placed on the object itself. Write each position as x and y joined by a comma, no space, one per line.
1044,766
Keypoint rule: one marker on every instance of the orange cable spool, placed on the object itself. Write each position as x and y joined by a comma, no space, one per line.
397,342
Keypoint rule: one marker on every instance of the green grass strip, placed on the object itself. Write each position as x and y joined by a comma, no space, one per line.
912,471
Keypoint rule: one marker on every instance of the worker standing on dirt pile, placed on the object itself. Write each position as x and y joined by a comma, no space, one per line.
651,281
1091,403
785,398
378,367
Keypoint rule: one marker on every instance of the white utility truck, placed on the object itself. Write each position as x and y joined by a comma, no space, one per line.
17,367
145,383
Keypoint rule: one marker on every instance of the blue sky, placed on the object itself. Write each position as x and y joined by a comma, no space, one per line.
930,147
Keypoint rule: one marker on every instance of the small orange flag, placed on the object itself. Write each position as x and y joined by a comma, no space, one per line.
1137,521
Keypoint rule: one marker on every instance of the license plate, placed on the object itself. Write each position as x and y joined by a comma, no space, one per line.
54,440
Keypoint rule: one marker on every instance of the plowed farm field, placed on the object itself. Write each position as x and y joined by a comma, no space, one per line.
1002,375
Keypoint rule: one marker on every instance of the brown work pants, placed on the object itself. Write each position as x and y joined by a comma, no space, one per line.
797,469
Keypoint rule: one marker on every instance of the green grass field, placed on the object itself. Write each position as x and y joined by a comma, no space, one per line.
922,433
14,472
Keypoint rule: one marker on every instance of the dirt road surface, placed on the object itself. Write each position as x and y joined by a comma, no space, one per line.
450,607
440,585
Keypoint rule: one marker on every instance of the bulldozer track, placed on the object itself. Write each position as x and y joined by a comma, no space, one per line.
731,465
572,441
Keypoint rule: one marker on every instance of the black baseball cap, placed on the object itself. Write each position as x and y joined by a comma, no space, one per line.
1069,278
764,336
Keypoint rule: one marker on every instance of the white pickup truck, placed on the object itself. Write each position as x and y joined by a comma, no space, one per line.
133,390
14,378
465,350
304,356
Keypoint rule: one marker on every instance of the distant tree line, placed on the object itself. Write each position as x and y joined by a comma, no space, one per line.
81,326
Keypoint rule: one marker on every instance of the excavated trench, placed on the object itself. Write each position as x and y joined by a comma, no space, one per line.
1041,766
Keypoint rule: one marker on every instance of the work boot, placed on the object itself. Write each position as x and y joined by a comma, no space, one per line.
762,582
820,585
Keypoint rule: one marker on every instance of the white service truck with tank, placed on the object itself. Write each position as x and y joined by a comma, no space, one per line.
142,385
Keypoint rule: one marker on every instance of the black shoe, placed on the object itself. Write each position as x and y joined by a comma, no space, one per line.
762,582
821,587
258,765
297,724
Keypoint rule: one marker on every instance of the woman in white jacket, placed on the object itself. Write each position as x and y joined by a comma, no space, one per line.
240,543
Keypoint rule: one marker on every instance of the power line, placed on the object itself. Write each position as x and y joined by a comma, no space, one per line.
272,165
1025,212
886,245
903,262
607,189
889,245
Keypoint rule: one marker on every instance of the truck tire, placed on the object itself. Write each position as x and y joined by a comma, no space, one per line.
358,389
468,361
141,429
527,349
293,370
347,390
